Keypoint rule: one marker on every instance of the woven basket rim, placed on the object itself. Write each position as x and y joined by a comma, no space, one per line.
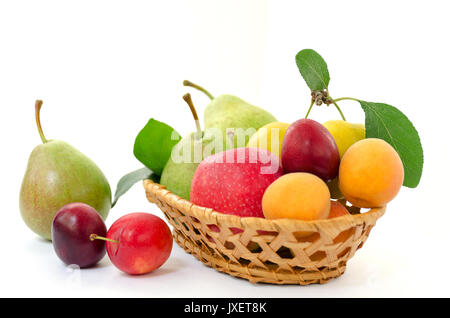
256,222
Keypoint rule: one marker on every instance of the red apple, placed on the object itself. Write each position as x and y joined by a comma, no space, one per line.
138,243
309,147
234,181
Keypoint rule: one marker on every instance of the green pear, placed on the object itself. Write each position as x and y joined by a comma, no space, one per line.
177,175
236,119
186,155
58,174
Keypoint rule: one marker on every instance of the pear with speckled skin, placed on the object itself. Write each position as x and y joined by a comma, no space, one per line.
185,157
58,174
177,175
236,119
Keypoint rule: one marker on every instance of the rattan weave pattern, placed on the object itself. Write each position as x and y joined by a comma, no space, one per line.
260,250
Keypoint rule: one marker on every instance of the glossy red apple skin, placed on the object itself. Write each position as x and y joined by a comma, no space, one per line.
237,186
71,229
144,243
309,147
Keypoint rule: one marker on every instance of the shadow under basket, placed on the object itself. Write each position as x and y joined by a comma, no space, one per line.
267,251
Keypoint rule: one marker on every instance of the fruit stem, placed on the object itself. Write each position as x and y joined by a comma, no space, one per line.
346,98
309,109
188,83
339,110
343,98
187,98
336,105
96,237
37,110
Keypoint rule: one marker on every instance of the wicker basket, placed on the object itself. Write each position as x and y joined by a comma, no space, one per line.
259,250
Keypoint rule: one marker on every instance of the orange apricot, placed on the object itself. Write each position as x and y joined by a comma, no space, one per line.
337,209
298,195
371,173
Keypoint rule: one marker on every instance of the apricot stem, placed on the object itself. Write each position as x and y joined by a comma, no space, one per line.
188,83
37,111
97,237
187,98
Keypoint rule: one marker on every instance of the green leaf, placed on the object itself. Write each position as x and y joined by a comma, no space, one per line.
128,180
313,69
388,123
154,143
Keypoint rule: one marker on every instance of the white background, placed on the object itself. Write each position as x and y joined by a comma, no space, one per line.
103,68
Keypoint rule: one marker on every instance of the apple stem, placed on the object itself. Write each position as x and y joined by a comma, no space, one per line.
187,98
96,237
37,108
188,83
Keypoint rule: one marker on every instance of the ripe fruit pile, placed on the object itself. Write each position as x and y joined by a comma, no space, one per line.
247,163
65,197
244,163
284,171
370,174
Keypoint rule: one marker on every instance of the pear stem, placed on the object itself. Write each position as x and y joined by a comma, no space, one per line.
37,110
96,237
188,83
187,98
